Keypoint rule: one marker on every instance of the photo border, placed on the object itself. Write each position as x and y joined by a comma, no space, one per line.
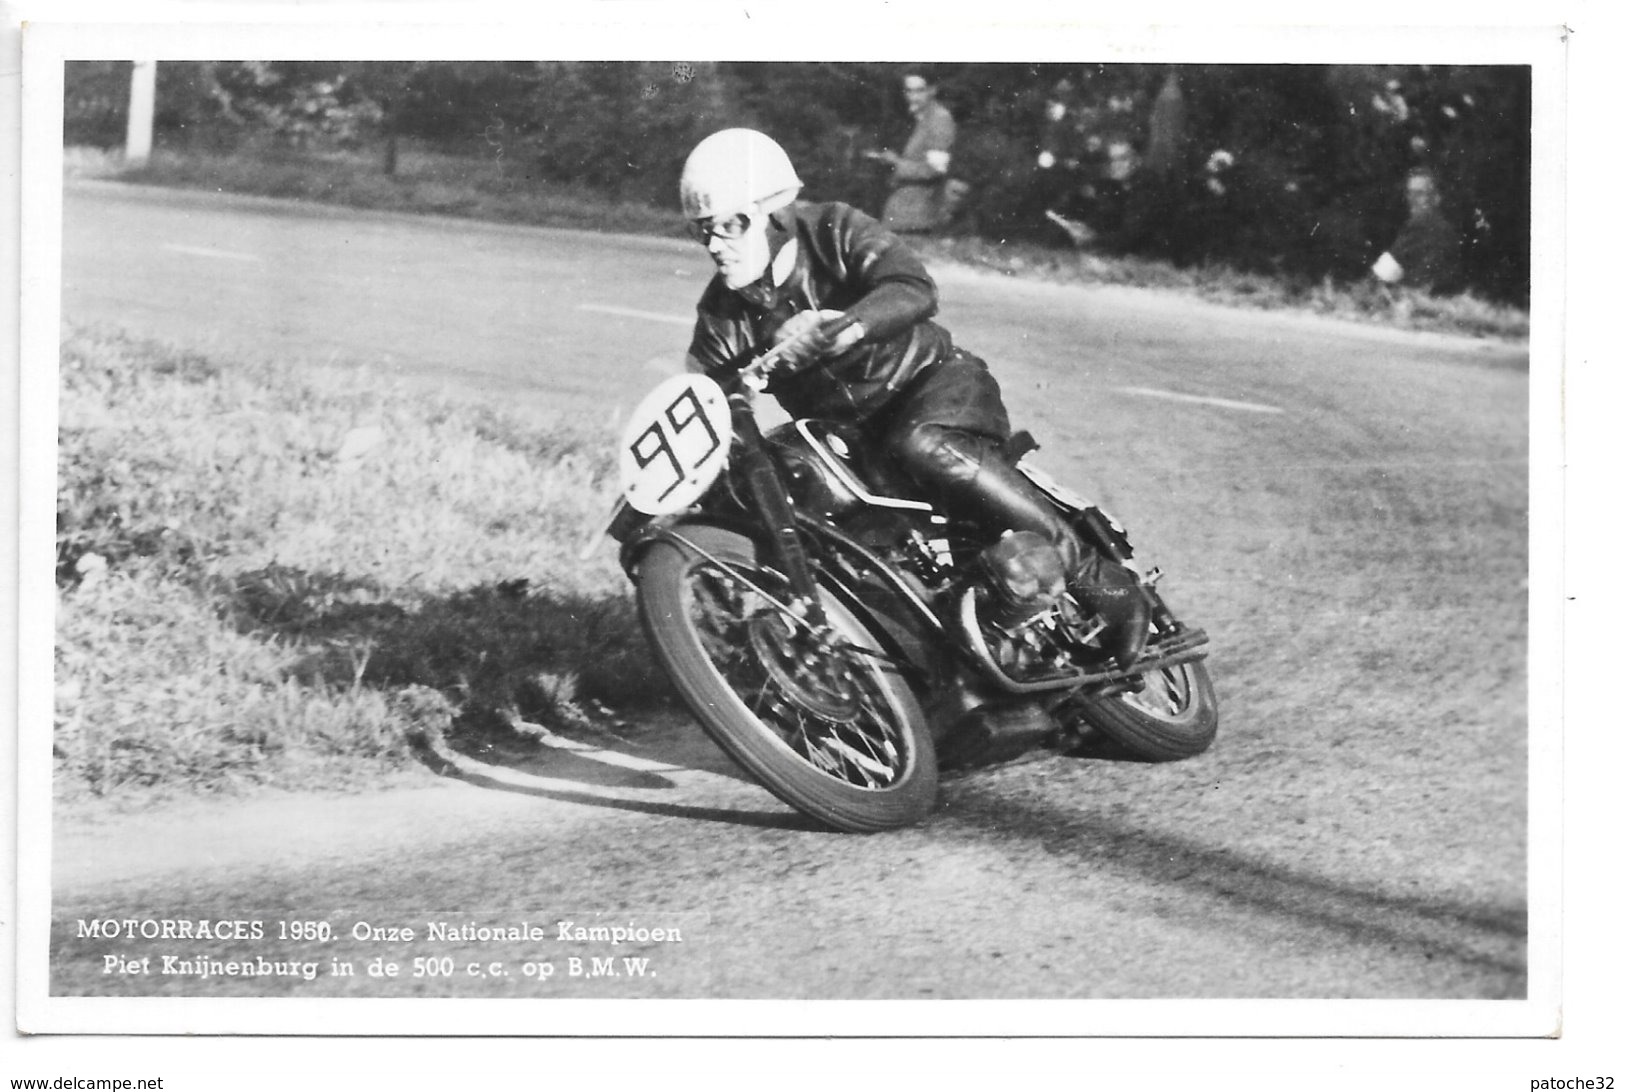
646,34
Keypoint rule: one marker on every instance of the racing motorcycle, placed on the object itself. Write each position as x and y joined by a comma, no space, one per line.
836,633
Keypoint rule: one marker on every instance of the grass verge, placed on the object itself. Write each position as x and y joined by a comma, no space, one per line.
477,188
1464,314
264,573
491,188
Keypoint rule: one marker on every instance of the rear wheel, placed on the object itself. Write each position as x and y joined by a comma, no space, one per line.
1174,716
819,717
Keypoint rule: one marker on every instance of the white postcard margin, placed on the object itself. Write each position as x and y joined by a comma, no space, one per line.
640,32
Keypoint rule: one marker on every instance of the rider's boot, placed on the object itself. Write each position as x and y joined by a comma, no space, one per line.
1110,590
981,482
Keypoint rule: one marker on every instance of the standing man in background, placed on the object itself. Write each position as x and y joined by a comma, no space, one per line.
919,177
1427,252
1426,255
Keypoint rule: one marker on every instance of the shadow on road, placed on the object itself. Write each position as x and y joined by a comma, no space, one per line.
492,646
571,783
1488,937
774,820
503,685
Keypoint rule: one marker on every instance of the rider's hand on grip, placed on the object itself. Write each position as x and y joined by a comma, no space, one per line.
810,336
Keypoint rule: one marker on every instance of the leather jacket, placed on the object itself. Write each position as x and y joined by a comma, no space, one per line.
840,259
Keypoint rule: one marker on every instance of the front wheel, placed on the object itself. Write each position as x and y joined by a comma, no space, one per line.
1174,716
819,717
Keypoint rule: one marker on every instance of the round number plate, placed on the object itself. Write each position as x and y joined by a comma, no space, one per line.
675,444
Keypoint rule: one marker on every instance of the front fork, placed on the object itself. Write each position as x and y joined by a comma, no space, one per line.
778,518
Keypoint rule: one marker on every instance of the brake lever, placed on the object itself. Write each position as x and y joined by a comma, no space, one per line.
757,373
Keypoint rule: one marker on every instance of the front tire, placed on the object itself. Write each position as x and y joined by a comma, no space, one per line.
836,734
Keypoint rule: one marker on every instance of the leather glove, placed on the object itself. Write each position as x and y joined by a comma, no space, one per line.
815,336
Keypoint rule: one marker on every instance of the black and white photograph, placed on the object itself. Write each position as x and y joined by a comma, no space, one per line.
1010,530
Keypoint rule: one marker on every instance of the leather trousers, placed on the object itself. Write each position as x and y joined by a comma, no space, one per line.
972,476
948,433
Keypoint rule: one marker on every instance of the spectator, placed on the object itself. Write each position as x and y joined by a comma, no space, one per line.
919,179
1426,254
1086,167
1103,195
1061,189
1058,152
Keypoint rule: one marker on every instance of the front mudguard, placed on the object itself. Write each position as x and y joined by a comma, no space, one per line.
904,631
636,532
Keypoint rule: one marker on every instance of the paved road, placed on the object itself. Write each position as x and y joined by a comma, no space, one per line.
549,318
1345,509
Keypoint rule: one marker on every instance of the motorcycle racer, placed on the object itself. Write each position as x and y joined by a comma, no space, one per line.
855,306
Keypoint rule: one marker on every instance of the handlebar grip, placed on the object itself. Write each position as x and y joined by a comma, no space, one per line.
824,332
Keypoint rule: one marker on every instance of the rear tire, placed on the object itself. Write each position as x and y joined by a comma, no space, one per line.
1176,716
843,740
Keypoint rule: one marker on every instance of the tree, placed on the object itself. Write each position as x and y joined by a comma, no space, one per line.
1294,169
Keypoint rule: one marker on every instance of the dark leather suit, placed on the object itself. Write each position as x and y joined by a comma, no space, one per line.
934,408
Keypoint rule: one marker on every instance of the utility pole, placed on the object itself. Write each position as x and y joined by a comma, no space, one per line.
143,94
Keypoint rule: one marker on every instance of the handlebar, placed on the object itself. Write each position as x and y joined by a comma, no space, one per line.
754,375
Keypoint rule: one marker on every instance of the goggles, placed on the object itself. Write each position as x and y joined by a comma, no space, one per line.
729,228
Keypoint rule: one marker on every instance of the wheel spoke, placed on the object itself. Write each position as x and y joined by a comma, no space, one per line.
866,765
1168,694
862,749
847,745
808,706
761,695
885,741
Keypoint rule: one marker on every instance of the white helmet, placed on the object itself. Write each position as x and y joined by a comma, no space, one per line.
732,170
